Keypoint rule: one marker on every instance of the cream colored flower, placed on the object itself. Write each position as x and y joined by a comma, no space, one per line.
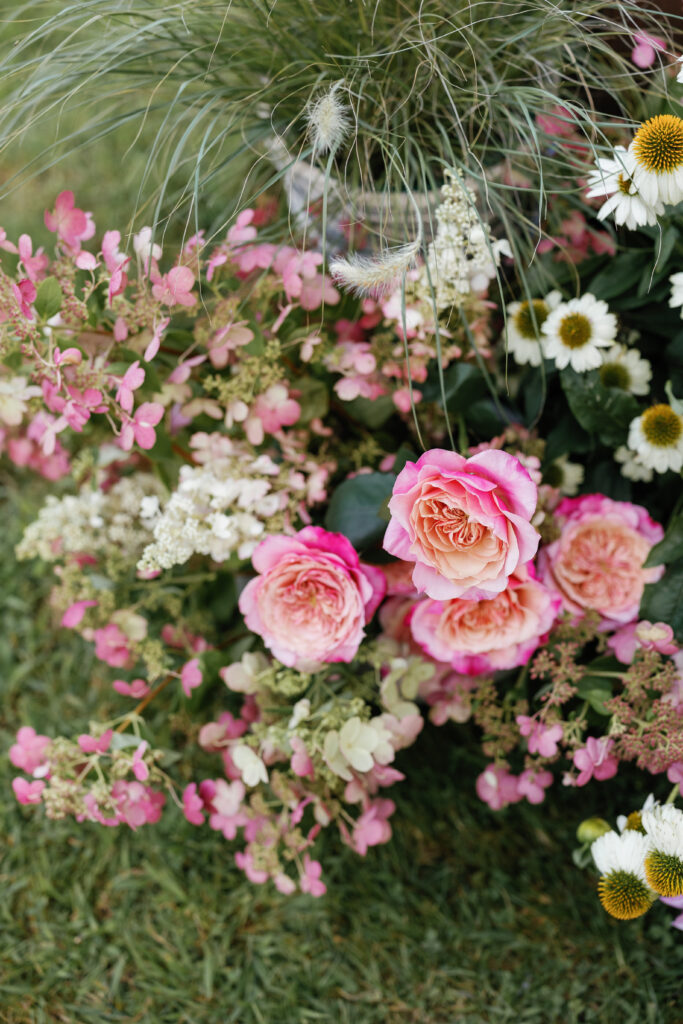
15,392
249,764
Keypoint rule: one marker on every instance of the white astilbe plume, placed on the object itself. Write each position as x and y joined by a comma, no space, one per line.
328,124
375,276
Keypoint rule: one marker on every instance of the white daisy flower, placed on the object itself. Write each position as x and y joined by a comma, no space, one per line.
657,437
523,328
625,368
664,860
658,152
566,476
575,331
676,298
623,887
613,177
679,76
632,466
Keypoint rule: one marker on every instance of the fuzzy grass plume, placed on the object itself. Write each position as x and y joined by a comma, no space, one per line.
328,121
375,276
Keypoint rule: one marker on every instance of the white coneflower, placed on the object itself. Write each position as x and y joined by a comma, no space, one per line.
623,888
657,437
328,122
676,298
625,368
375,276
632,466
613,177
658,152
523,328
633,822
575,331
664,860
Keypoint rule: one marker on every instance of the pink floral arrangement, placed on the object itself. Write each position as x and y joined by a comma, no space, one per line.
266,522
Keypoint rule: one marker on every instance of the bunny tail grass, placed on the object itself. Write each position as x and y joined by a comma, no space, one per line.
375,276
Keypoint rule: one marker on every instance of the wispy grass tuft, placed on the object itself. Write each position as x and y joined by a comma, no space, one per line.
426,84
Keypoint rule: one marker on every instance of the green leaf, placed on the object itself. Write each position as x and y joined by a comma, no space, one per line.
14,360
606,412
358,508
371,412
565,437
49,298
670,548
403,455
463,385
596,690
620,275
314,399
663,601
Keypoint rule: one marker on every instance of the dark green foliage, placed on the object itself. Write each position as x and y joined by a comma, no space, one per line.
358,508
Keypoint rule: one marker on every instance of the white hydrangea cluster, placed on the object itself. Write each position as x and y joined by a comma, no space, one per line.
95,520
463,256
222,508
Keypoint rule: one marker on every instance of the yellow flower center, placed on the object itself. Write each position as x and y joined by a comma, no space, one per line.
575,330
524,321
661,426
658,144
664,872
624,185
634,822
623,895
615,375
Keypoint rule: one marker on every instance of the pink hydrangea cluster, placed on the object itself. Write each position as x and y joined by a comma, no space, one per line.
71,778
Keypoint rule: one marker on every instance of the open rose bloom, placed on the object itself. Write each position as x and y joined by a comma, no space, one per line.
465,523
482,636
597,562
312,597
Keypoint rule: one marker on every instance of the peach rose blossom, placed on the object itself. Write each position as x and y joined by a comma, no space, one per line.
482,636
597,562
465,523
312,597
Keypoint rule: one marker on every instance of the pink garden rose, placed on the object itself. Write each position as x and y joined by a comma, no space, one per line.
465,523
482,636
597,562
312,597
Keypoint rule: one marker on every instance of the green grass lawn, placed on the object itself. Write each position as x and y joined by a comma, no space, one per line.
467,916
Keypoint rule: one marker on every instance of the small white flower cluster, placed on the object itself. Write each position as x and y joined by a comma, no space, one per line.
95,520
463,257
223,508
